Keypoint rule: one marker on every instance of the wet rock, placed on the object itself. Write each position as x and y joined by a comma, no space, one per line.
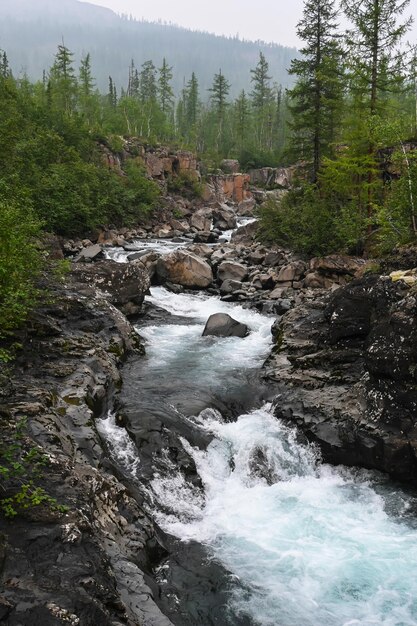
207,236
223,325
184,268
246,207
345,366
245,234
224,219
91,253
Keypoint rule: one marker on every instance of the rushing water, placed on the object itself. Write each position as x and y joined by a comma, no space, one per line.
311,544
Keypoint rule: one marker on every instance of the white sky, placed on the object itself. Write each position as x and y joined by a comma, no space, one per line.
269,20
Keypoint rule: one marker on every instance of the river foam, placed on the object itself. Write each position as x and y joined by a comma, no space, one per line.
313,544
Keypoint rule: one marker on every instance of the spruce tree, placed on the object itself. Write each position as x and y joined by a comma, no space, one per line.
147,82
165,93
219,102
63,84
316,97
375,70
262,100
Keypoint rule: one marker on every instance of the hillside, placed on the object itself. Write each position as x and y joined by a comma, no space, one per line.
30,33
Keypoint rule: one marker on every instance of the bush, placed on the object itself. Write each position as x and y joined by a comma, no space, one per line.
20,263
186,185
299,221
21,467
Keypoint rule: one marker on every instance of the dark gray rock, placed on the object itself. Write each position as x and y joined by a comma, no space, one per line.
223,325
345,365
91,253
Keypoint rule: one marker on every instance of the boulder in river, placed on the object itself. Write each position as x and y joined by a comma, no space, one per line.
231,270
183,268
223,325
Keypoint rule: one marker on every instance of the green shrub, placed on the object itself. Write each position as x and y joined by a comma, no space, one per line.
186,185
20,263
21,469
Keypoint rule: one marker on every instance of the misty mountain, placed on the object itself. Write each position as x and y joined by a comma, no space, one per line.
30,31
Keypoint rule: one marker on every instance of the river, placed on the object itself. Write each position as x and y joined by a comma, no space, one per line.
305,543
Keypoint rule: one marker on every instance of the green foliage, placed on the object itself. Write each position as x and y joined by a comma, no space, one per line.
185,184
300,221
21,469
396,218
20,263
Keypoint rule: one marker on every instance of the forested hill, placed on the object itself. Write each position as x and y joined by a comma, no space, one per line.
31,30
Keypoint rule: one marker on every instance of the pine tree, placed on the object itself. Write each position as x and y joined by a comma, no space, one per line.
316,97
133,83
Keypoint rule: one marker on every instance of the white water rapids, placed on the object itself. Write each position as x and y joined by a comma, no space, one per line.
311,544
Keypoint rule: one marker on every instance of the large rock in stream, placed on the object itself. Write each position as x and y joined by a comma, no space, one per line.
223,325
184,268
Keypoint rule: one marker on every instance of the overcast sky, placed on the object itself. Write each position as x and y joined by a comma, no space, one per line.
269,20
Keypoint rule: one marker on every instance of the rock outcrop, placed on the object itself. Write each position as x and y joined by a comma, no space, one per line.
345,365
85,566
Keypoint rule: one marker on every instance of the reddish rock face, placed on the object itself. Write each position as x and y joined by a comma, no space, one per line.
233,187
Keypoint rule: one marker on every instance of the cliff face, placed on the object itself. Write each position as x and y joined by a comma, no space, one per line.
85,566
346,368
163,164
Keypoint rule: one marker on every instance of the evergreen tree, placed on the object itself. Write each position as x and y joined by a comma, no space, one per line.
112,93
192,101
375,72
241,117
63,84
316,97
261,96
87,99
165,93
219,102
133,83
375,34
147,82
4,65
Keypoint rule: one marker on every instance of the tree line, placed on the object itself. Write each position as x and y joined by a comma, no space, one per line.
352,123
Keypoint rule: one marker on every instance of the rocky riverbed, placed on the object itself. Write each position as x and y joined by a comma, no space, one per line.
123,431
